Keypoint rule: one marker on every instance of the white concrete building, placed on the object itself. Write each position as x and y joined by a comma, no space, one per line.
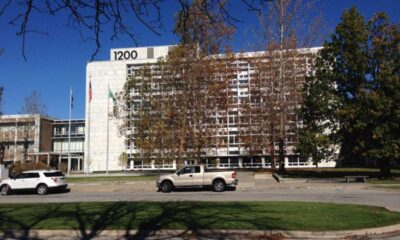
112,75
104,144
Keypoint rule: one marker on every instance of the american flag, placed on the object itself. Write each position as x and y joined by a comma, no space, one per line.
90,91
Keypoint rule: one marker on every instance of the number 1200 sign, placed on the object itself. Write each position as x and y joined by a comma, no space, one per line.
125,55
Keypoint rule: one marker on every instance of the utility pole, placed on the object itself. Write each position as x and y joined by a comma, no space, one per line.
69,131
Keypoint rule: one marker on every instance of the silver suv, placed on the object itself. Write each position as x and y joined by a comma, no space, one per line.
40,181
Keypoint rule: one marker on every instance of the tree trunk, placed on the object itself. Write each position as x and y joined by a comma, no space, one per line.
385,169
272,151
281,155
2,152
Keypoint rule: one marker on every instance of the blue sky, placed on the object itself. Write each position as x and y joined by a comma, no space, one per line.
57,62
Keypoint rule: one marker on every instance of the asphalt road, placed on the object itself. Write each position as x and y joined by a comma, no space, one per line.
352,195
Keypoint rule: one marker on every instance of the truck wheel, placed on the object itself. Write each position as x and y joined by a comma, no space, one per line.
219,185
5,190
166,186
42,189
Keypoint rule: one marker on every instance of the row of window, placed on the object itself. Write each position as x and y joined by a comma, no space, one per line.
63,130
62,146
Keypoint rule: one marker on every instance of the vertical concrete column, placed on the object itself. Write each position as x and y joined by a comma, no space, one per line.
48,159
131,164
174,164
263,162
286,161
152,164
240,162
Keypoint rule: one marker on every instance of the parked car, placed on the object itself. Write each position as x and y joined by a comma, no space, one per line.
39,181
197,176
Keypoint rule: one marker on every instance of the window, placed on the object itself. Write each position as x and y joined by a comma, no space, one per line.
54,174
197,169
27,175
21,175
186,170
32,175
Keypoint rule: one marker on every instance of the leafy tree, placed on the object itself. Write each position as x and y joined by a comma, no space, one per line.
356,92
317,137
181,94
123,160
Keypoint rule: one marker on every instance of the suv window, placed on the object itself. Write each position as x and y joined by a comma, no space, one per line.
21,175
197,169
54,174
27,175
32,175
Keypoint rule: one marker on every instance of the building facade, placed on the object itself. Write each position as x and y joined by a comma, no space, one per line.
63,143
105,143
23,136
34,138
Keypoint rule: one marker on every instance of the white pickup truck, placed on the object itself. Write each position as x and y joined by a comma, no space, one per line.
197,176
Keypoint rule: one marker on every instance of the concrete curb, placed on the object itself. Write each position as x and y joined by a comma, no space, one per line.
391,231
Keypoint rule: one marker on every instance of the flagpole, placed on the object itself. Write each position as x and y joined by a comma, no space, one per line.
69,131
108,118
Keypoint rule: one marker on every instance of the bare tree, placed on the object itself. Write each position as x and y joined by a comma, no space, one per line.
93,18
287,26
2,147
1,98
32,105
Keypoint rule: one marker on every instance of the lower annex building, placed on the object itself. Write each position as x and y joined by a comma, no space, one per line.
34,138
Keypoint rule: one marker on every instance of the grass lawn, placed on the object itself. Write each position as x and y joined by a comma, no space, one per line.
194,215
396,187
390,184
335,172
110,179
385,182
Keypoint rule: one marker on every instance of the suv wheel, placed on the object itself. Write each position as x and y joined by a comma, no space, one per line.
166,186
5,190
42,189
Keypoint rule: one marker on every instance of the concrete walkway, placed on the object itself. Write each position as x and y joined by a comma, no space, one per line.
388,233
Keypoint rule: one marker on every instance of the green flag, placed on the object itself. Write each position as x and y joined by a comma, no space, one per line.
111,95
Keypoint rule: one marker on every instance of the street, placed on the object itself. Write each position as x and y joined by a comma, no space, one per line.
347,193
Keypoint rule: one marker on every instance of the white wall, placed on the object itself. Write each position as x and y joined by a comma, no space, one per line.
103,74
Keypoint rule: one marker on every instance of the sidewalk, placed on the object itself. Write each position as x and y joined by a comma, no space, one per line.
389,232
248,181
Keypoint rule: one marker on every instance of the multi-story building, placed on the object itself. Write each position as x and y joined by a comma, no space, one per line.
29,138
23,136
63,143
105,144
